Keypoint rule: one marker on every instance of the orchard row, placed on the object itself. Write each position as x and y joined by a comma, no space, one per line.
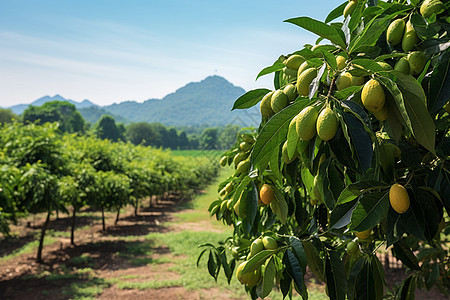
44,171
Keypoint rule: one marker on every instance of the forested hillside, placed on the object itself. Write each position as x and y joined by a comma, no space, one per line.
204,103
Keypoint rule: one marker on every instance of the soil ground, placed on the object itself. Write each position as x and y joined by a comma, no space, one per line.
98,265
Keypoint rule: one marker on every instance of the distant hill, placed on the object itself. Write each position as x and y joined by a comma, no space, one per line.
207,102
92,113
19,109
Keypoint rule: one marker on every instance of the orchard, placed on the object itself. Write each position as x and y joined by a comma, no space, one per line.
44,170
351,156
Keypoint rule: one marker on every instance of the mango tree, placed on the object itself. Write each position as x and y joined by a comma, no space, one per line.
352,155
36,151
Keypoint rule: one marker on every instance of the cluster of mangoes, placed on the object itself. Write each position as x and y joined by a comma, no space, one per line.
253,277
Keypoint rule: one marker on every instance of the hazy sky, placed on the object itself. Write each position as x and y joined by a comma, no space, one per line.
110,51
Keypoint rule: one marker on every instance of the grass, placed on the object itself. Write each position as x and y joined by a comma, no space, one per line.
198,153
28,248
201,203
152,284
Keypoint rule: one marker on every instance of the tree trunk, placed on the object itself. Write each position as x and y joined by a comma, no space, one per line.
41,240
117,216
136,207
150,202
72,233
103,219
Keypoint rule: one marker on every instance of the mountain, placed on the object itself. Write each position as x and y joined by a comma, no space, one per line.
18,109
92,113
207,102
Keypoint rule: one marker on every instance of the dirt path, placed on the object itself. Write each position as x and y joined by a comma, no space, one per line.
102,254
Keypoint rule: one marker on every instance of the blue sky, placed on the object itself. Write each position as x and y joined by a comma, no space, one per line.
109,51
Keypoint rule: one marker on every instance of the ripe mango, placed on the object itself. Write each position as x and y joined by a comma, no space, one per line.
304,81
306,123
395,31
266,193
417,61
278,101
381,115
373,96
399,198
430,7
266,109
410,37
340,60
290,91
344,80
327,124
294,61
402,65
303,67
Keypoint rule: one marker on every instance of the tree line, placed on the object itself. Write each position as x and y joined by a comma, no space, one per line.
141,133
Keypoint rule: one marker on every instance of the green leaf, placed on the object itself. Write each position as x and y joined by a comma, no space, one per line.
299,252
370,211
294,269
353,275
407,289
226,267
251,207
342,214
336,13
424,29
279,206
404,253
268,277
257,260
395,228
413,219
392,87
364,286
439,92
315,262
370,35
378,276
200,256
361,141
432,277
273,134
250,99
368,65
328,32
347,92
212,265
415,103
336,277
354,190
329,58
277,66
427,204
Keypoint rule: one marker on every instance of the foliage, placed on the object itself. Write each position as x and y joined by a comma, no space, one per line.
107,128
47,170
333,192
7,116
56,111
